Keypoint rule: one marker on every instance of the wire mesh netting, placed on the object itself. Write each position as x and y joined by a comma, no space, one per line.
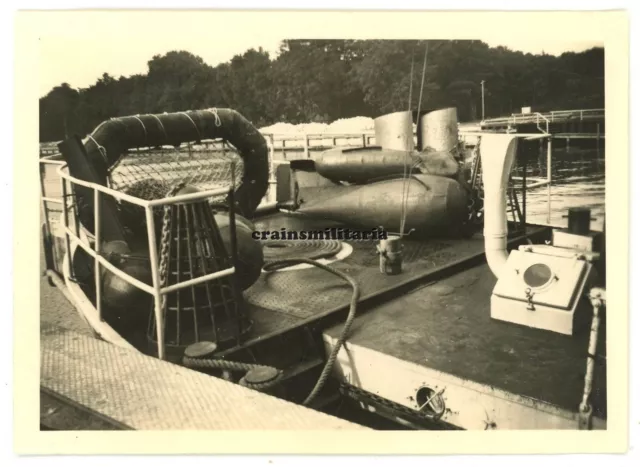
150,173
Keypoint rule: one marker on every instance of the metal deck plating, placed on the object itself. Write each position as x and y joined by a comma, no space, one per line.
125,389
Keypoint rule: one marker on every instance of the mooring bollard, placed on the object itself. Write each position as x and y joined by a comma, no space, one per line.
390,251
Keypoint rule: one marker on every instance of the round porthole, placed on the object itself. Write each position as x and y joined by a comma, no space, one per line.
537,275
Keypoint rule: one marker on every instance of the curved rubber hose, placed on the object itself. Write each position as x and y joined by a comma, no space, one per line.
324,376
110,141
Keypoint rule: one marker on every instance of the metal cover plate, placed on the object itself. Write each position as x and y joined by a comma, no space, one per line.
145,393
558,292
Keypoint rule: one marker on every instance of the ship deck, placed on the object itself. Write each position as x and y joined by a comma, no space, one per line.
446,328
286,299
435,315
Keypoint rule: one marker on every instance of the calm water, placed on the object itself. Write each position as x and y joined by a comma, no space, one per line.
578,181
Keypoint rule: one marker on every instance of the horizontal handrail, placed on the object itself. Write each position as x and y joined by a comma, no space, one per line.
551,116
198,280
49,160
137,201
104,262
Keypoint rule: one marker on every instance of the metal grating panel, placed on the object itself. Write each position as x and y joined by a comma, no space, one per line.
145,393
307,292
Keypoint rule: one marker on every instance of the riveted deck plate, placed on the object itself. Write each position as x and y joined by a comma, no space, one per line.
145,393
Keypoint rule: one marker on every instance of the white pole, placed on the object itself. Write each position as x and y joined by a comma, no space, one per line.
98,239
306,146
482,84
549,148
157,296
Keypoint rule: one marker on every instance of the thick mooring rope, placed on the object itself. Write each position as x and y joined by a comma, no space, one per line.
326,371
219,364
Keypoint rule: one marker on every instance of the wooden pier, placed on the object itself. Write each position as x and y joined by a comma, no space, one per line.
578,121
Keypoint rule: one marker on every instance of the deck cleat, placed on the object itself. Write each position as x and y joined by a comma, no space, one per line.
200,349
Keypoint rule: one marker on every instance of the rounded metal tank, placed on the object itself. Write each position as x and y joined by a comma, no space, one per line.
439,130
363,164
395,131
434,204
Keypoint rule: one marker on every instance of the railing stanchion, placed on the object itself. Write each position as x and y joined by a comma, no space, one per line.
65,223
549,149
306,146
98,241
155,277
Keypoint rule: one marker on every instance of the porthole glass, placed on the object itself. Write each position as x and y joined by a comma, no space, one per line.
537,275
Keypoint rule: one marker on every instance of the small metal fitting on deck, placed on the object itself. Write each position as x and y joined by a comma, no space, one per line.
390,251
598,297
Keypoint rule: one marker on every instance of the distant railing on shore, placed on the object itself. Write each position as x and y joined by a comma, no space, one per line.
556,116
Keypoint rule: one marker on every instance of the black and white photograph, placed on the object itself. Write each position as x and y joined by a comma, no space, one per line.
251,229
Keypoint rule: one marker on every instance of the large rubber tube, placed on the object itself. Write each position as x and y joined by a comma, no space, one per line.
112,138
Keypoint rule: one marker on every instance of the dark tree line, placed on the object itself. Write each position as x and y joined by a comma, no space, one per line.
323,80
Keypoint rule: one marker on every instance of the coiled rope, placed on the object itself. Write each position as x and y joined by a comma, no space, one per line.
326,371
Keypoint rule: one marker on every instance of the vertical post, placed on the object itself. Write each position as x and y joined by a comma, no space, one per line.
97,272
549,149
43,203
271,148
306,146
232,220
482,84
47,240
65,223
524,193
567,142
76,216
284,154
155,276
272,176
364,141
334,140
232,229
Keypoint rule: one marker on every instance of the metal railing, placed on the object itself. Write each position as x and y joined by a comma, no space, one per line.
554,116
156,290
305,140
